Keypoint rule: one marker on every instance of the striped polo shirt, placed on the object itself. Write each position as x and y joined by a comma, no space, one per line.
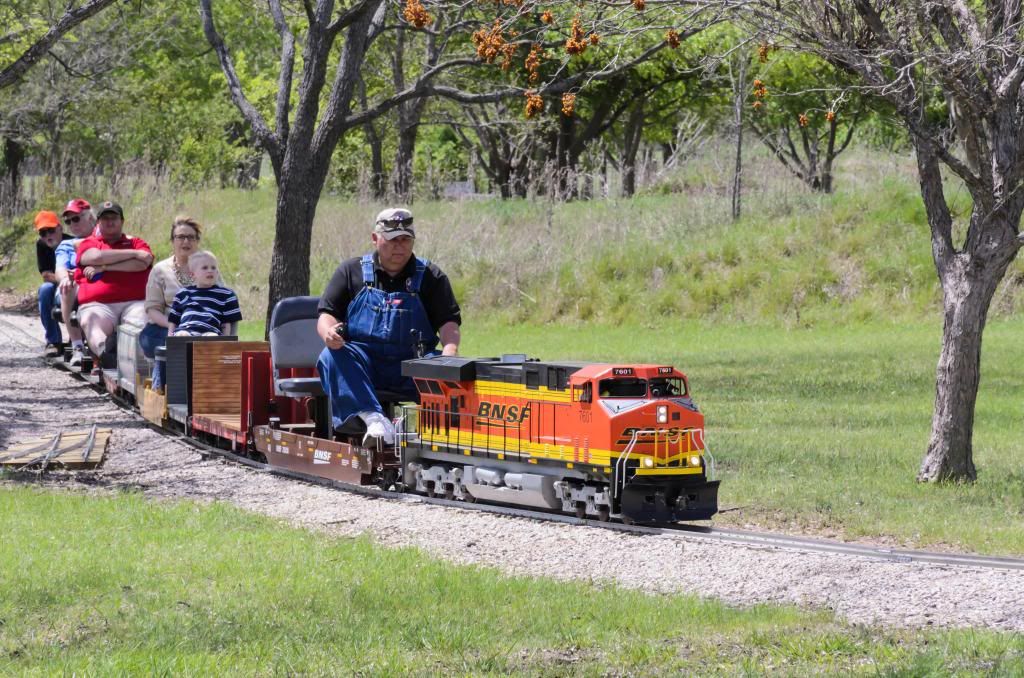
204,309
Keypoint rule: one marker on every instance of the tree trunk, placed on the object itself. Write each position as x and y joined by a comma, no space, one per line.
739,97
402,175
377,181
297,198
633,132
14,153
969,280
966,298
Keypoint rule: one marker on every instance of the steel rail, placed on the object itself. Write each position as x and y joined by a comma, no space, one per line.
681,531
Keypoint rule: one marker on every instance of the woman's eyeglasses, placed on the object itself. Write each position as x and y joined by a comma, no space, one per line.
71,220
186,238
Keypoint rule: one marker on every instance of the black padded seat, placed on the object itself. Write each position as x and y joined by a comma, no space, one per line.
299,387
294,343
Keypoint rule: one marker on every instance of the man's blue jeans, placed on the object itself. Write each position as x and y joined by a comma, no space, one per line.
47,292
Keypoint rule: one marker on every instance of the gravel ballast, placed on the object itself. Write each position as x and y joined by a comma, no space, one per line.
36,399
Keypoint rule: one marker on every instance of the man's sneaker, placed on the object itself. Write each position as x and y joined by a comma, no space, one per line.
52,350
76,357
378,429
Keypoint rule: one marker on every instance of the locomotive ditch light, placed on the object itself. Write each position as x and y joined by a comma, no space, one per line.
662,414
695,460
648,462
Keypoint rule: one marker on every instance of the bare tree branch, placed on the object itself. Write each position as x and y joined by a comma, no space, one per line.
72,17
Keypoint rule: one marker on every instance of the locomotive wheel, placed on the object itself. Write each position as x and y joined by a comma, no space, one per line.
449,493
388,479
581,510
467,497
430,490
604,513
626,520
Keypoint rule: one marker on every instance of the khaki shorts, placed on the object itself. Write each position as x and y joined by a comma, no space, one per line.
131,312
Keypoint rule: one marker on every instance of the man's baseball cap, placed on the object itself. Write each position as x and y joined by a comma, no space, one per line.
109,206
46,219
76,206
394,222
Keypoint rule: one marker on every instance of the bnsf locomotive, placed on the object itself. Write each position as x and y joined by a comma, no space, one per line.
595,440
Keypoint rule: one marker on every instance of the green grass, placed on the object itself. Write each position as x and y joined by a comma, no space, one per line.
824,428
119,585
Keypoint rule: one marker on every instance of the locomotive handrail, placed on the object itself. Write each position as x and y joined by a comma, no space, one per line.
620,463
456,439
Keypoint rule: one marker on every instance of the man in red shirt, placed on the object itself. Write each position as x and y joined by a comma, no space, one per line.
111,276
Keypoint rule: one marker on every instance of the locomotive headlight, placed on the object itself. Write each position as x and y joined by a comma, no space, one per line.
695,460
648,462
662,414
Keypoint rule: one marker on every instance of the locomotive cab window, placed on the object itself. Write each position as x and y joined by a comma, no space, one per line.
584,393
628,387
667,387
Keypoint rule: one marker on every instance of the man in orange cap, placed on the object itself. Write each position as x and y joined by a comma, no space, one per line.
50,235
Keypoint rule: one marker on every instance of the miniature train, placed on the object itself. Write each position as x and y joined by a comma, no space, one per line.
603,441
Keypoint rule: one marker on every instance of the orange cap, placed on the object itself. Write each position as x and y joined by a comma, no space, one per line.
46,220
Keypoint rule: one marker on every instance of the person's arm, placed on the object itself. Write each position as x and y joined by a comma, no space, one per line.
117,260
442,309
140,263
65,255
156,317
327,326
450,338
155,303
334,302
44,255
231,312
64,276
174,314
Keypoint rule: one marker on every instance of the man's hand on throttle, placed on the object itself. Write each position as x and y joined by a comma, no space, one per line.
333,337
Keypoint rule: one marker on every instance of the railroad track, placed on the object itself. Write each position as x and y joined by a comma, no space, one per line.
13,333
684,532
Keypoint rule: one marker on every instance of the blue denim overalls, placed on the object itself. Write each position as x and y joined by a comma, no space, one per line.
381,330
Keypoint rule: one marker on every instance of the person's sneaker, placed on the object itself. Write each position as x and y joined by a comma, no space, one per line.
52,350
76,357
378,429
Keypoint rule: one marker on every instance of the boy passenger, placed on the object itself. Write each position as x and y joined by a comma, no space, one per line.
204,309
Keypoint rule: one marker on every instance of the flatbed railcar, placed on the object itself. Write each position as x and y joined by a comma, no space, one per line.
597,440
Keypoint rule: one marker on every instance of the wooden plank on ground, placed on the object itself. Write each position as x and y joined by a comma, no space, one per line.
73,450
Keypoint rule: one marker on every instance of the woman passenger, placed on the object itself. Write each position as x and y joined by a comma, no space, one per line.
167,277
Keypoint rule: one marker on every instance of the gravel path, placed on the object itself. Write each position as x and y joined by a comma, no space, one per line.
33,398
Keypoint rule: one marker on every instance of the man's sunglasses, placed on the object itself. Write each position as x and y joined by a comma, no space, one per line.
71,220
395,223
47,231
